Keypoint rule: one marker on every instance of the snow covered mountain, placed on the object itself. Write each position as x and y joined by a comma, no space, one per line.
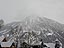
49,29
44,28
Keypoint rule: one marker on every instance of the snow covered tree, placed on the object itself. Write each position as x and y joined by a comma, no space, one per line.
1,23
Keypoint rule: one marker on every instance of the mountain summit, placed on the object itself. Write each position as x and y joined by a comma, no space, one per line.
35,22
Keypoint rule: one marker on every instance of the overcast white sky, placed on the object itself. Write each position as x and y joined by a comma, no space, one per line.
11,10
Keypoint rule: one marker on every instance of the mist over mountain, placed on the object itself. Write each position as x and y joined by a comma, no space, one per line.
38,22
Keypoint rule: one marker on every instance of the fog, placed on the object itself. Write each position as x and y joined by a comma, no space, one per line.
16,10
